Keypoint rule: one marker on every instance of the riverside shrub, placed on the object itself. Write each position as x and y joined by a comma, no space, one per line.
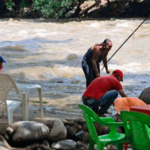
53,8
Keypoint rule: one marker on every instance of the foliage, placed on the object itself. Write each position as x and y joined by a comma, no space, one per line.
25,3
9,4
72,8
52,8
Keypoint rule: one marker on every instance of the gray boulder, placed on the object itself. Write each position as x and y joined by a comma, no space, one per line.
57,129
3,148
145,95
27,131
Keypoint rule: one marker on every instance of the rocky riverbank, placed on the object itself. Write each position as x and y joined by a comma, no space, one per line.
58,130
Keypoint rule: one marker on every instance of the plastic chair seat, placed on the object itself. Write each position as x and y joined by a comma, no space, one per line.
12,105
115,137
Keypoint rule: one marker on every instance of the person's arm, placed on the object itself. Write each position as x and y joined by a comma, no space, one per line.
95,56
122,93
105,62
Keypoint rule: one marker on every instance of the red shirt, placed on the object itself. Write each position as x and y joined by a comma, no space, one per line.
101,85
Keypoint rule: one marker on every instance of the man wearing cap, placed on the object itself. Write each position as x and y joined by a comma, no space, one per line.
102,92
2,60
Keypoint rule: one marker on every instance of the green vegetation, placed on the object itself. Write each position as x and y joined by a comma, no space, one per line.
53,8
72,8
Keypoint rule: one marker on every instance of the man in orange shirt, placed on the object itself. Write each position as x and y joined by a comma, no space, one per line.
103,90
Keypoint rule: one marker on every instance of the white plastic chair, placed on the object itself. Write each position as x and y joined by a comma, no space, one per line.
6,85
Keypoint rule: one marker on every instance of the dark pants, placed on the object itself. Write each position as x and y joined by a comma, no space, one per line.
89,72
103,104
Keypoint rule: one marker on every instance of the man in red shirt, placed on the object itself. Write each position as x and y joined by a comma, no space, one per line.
102,92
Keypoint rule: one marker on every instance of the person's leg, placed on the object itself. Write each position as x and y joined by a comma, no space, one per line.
85,69
94,105
88,72
107,99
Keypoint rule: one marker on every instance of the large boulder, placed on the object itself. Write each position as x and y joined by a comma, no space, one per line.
57,129
3,148
145,95
27,131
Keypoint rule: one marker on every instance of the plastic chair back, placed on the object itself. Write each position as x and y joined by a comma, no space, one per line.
90,117
6,84
89,123
138,123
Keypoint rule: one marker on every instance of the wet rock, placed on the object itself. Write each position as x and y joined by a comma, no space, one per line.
71,121
81,145
57,129
64,145
45,143
70,131
3,148
145,95
84,127
85,137
71,57
27,131
79,135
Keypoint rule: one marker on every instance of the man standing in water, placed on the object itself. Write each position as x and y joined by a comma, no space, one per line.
102,92
2,60
92,58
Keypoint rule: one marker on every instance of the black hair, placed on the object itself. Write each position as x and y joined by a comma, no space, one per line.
106,41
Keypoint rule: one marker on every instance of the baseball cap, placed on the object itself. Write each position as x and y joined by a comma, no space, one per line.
2,59
119,73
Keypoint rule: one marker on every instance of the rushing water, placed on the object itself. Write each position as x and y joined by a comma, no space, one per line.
50,54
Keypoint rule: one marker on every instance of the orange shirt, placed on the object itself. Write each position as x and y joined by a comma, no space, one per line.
101,85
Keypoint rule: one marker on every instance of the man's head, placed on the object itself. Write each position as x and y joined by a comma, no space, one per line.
2,60
118,74
107,44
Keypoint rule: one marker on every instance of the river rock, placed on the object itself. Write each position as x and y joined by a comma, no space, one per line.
81,146
64,145
71,121
27,131
145,95
71,57
3,148
57,129
73,125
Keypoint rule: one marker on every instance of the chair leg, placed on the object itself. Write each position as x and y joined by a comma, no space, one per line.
91,146
41,102
25,107
120,146
10,117
125,146
100,146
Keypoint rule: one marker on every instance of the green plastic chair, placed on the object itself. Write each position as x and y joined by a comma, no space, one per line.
138,123
113,137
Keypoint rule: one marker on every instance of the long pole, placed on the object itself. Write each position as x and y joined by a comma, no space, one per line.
126,40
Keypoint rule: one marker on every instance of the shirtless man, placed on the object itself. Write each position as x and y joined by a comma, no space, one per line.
92,58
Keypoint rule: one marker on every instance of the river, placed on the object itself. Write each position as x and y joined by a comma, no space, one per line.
49,53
